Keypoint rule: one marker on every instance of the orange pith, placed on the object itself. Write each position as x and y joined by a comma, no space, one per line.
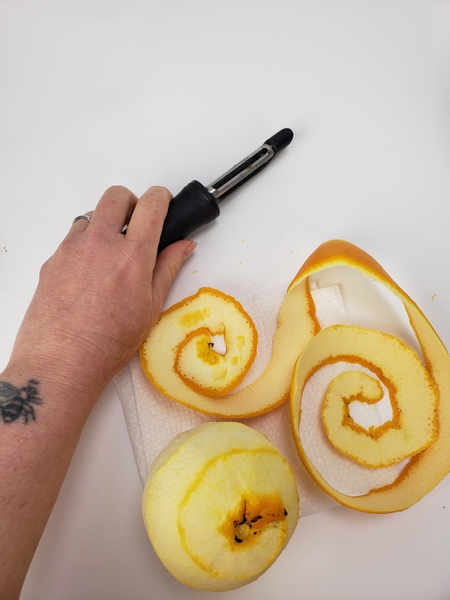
195,360
432,461
266,392
242,525
214,522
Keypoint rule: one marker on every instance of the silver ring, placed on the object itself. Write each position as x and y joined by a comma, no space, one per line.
87,217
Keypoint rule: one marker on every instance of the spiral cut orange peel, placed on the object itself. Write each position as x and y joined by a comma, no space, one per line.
204,344
361,467
180,358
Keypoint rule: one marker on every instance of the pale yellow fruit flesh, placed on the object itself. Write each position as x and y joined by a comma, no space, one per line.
427,467
219,506
269,390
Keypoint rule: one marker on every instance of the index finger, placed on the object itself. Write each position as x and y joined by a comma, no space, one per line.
147,220
114,209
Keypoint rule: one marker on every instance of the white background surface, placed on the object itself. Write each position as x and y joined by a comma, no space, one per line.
138,92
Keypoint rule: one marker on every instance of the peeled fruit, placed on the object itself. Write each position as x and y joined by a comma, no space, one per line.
201,348
219,505
373,468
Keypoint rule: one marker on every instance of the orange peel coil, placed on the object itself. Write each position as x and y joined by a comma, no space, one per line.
192,322
363,362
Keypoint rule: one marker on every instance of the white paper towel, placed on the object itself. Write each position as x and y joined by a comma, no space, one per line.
153,420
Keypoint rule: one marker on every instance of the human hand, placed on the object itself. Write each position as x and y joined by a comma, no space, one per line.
101,291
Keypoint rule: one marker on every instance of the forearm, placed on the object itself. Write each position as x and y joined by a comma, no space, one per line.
40,426
47,391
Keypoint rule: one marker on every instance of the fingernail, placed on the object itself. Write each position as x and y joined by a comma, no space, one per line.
189,250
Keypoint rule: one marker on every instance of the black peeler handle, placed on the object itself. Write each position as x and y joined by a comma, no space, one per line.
191,208
197,205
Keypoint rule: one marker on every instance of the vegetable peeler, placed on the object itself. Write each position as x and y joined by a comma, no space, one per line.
197,205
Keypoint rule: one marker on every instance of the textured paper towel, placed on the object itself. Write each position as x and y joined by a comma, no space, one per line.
153,420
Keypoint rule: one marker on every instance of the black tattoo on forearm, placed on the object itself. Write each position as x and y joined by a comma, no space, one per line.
16,403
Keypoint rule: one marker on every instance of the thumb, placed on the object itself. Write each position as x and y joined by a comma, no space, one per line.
167,265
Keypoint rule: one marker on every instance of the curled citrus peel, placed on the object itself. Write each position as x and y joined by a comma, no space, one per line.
412,395
177,356
213,520
182,345
420,425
